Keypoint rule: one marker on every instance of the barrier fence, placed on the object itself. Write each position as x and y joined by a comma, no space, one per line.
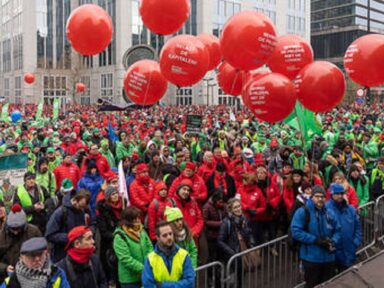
276,265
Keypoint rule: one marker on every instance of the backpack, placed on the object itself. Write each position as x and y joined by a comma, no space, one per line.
293,244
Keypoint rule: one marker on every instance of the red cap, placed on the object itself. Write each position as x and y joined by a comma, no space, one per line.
76,233
140,168
185,182
259,159
160,186
190,165
274,143
111,176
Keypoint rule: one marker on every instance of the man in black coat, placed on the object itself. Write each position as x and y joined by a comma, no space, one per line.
82,267
220,179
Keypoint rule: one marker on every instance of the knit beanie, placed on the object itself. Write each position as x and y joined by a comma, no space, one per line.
172,214
190,165
304,186
66,186
184,182
140,168
317,189
109,191
16,217
160,186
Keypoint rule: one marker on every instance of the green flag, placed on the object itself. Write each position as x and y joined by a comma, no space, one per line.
304,120
39,111
55,111
4,113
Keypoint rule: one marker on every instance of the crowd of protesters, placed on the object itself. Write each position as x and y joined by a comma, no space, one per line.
193,198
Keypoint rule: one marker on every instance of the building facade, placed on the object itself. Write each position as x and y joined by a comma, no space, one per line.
33,39
335,24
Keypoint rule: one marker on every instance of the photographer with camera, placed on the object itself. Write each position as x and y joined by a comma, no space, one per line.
318,232
350,227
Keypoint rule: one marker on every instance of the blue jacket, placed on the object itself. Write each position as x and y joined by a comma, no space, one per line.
56,273
188,280
93,184
58,227
322,223
350,232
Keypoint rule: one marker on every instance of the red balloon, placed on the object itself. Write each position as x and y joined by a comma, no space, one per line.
230,79
292,53
164,17
320,86
80,87
250,78
364,60
29,78
213,45
184,60
89,29
271,97
248,40
143,82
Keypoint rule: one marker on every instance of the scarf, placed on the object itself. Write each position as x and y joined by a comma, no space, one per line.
133,233
33,278
81,255
181,235
219,182
116,208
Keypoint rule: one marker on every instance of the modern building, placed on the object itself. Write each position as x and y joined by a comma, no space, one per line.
335,24
33,39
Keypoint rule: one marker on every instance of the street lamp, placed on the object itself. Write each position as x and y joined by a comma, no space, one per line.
368,96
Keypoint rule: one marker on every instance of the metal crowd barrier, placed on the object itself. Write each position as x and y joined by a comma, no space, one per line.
210,275
278,266
367,214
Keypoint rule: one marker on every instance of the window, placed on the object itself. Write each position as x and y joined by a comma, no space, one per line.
108,56
106,86
7,55
18,89
85,97
54,86
18,52
6,88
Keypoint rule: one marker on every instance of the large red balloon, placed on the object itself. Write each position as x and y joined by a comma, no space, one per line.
230,79
248,40
292,53
89,29
213,45
184,60
80,87
143,82
164,17
29,78
250,78
320,86
364,60
271,97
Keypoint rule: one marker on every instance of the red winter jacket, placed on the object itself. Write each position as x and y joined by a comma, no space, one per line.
288,198
191,213
251,197
351,196
63,171
272,197
141,195
155,214
101,163
74,146
206,170
199,189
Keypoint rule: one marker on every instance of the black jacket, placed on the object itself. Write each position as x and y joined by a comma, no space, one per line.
231,188
84,275
228,242
106,222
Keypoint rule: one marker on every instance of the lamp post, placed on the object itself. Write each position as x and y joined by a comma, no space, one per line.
368,96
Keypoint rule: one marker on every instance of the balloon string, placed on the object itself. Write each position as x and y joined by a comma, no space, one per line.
234,81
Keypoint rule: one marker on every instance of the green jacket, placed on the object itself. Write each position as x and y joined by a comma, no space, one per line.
362,191
370,151
109,156
53,164
47,181
122,151
298,162
190,247
131,255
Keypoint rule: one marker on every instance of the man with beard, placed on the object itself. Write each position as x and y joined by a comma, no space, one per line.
168,265
15,232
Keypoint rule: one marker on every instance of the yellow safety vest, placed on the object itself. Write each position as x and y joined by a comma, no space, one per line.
56,284
160,271
25,198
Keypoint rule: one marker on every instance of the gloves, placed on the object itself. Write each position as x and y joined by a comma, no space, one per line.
251,212
322,242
